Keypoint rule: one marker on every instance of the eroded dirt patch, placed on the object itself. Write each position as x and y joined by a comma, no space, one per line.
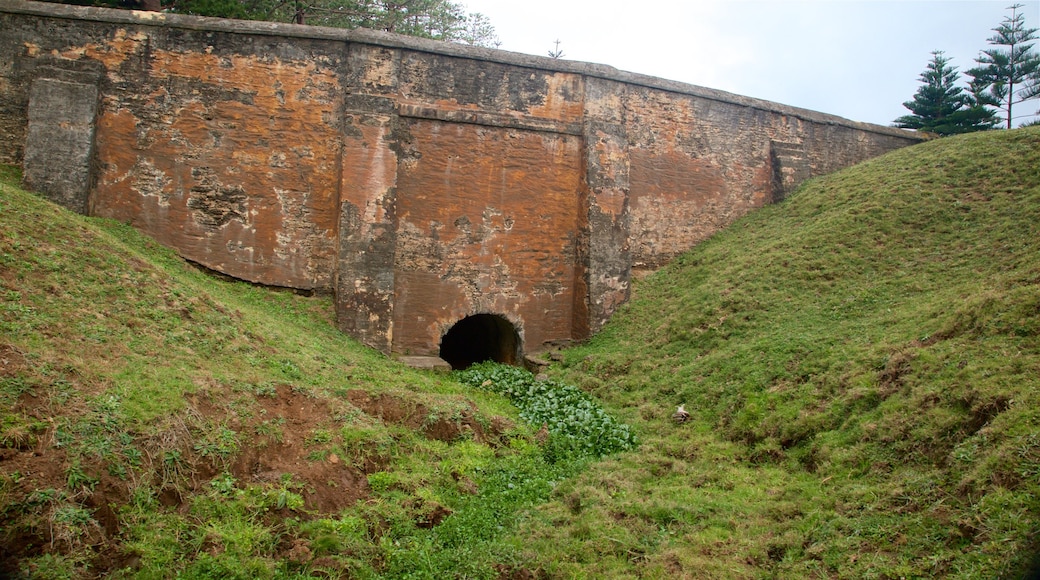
330,483
46,477
451,424
12,361
283,436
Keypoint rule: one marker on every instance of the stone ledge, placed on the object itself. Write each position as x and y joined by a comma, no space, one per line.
429,363
475,117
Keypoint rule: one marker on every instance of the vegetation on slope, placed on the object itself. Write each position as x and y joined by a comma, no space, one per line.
156,422
862,366
861,363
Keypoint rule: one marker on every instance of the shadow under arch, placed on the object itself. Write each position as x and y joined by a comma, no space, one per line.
481,337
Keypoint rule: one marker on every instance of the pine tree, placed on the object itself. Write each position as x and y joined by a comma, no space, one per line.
1004,77
1032,91
940,106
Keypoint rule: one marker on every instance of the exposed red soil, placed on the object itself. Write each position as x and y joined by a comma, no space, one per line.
397,410
330,485
12,361
33,461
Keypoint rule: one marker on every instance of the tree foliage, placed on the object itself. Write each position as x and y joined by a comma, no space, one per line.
1007,76
435,19
940,106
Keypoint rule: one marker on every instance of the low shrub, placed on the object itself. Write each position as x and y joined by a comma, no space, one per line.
577,426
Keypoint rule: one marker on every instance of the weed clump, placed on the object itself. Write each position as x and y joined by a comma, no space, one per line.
577,426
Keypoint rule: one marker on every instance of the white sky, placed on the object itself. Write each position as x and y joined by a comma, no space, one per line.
858,59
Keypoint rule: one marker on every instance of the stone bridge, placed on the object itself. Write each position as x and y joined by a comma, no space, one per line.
458,201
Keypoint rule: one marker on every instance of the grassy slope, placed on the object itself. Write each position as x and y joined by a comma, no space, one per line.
862,363
155,421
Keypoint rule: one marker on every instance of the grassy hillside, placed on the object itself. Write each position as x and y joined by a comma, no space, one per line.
862,366
157,422
861,363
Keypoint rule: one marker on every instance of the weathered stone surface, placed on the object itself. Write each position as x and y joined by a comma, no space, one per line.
486,224
423,182
229,158
696,165
367,231
426,363
607,260
59,144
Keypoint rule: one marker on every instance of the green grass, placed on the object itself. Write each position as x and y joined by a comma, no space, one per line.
861,363
134,382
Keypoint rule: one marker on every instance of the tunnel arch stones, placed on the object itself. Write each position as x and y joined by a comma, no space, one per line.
481,337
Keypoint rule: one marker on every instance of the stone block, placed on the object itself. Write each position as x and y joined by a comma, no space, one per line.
59,146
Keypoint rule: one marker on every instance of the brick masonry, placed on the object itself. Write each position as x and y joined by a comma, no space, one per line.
420,182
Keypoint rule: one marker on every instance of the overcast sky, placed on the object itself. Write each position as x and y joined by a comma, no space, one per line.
858,59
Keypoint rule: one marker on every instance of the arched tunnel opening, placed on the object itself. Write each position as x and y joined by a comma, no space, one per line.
479,338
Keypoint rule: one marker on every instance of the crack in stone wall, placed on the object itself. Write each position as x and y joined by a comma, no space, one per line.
215,203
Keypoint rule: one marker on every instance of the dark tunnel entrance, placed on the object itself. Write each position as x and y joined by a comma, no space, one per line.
479,338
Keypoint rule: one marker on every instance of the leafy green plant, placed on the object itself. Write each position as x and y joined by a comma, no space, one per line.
577,425
77,479
53,567
223,484
271,429
74,519
13,387
220,442
320,437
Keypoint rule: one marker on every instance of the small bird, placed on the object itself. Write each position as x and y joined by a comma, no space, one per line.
681,416
542,436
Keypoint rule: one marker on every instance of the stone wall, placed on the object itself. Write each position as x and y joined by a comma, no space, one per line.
422,182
